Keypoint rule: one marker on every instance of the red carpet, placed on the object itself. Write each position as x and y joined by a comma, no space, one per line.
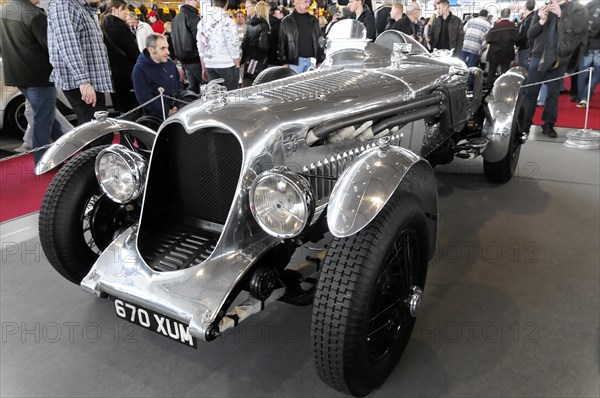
21,191
571,116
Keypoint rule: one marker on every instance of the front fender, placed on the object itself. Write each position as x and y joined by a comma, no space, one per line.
67,145
501,108
369,182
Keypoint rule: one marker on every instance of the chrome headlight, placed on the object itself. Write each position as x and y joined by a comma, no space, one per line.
282,202
121,173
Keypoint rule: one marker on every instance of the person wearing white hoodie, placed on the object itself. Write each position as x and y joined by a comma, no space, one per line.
219,45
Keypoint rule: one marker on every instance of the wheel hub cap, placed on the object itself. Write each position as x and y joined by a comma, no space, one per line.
415,301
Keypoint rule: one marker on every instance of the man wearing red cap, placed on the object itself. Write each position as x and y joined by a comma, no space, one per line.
158,26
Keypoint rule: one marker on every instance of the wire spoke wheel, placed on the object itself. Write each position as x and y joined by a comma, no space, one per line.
86,224
390,312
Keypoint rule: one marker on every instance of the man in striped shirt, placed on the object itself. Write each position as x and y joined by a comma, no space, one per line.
475,32
78,55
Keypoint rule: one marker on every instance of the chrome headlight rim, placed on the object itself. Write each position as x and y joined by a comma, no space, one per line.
302,188
137,165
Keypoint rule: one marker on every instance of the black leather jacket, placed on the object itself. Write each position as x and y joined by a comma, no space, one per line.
256,40
183,33
523,42
287,48
456,33
24,44
368,19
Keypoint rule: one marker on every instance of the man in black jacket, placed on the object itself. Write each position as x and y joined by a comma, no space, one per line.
406,24
556,31
591,56
299,39
362,13
183,33
523,41
447,30
501,38
275,18
26,65
382,17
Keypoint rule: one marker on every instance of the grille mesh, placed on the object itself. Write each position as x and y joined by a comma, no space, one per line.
206,169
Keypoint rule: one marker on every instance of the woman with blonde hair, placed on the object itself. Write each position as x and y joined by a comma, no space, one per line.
255,46
426,32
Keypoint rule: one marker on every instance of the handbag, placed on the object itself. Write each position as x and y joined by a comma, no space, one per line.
252,68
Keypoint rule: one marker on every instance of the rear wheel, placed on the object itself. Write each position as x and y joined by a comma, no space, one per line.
368,295
502,171
77,221
273,73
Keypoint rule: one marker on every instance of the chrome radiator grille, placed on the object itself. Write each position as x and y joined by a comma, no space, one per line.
323,174
191,186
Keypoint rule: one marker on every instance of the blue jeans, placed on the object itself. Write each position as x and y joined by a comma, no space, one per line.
193,72
470,58
231,76
43,106
541,99
303,65
523,58
591,58
534,76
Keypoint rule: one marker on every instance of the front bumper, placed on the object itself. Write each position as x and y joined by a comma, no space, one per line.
193,296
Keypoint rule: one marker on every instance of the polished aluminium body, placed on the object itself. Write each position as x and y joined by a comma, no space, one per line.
303,123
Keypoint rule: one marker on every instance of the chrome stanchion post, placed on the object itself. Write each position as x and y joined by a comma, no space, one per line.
162,101
584,138
589,94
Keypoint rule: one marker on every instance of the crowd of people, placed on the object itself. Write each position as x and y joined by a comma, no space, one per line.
88,48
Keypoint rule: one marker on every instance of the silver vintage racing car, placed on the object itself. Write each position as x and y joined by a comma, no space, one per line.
190,229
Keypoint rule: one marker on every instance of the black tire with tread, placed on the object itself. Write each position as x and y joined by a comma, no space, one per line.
60,224
12,115
345,294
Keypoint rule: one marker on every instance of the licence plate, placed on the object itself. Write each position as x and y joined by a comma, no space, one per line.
155,322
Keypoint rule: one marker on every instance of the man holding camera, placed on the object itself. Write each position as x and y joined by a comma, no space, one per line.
556,31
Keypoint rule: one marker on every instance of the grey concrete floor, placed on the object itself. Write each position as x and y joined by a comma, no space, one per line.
512,308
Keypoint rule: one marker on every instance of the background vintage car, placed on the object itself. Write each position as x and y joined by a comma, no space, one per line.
12,109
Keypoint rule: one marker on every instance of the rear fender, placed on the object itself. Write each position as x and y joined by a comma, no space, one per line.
67,145
369,182
501,104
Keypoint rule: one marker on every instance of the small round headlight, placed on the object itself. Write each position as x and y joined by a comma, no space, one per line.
282,202
121,173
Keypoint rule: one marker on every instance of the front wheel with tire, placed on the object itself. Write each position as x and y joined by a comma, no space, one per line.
77,221
367,297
